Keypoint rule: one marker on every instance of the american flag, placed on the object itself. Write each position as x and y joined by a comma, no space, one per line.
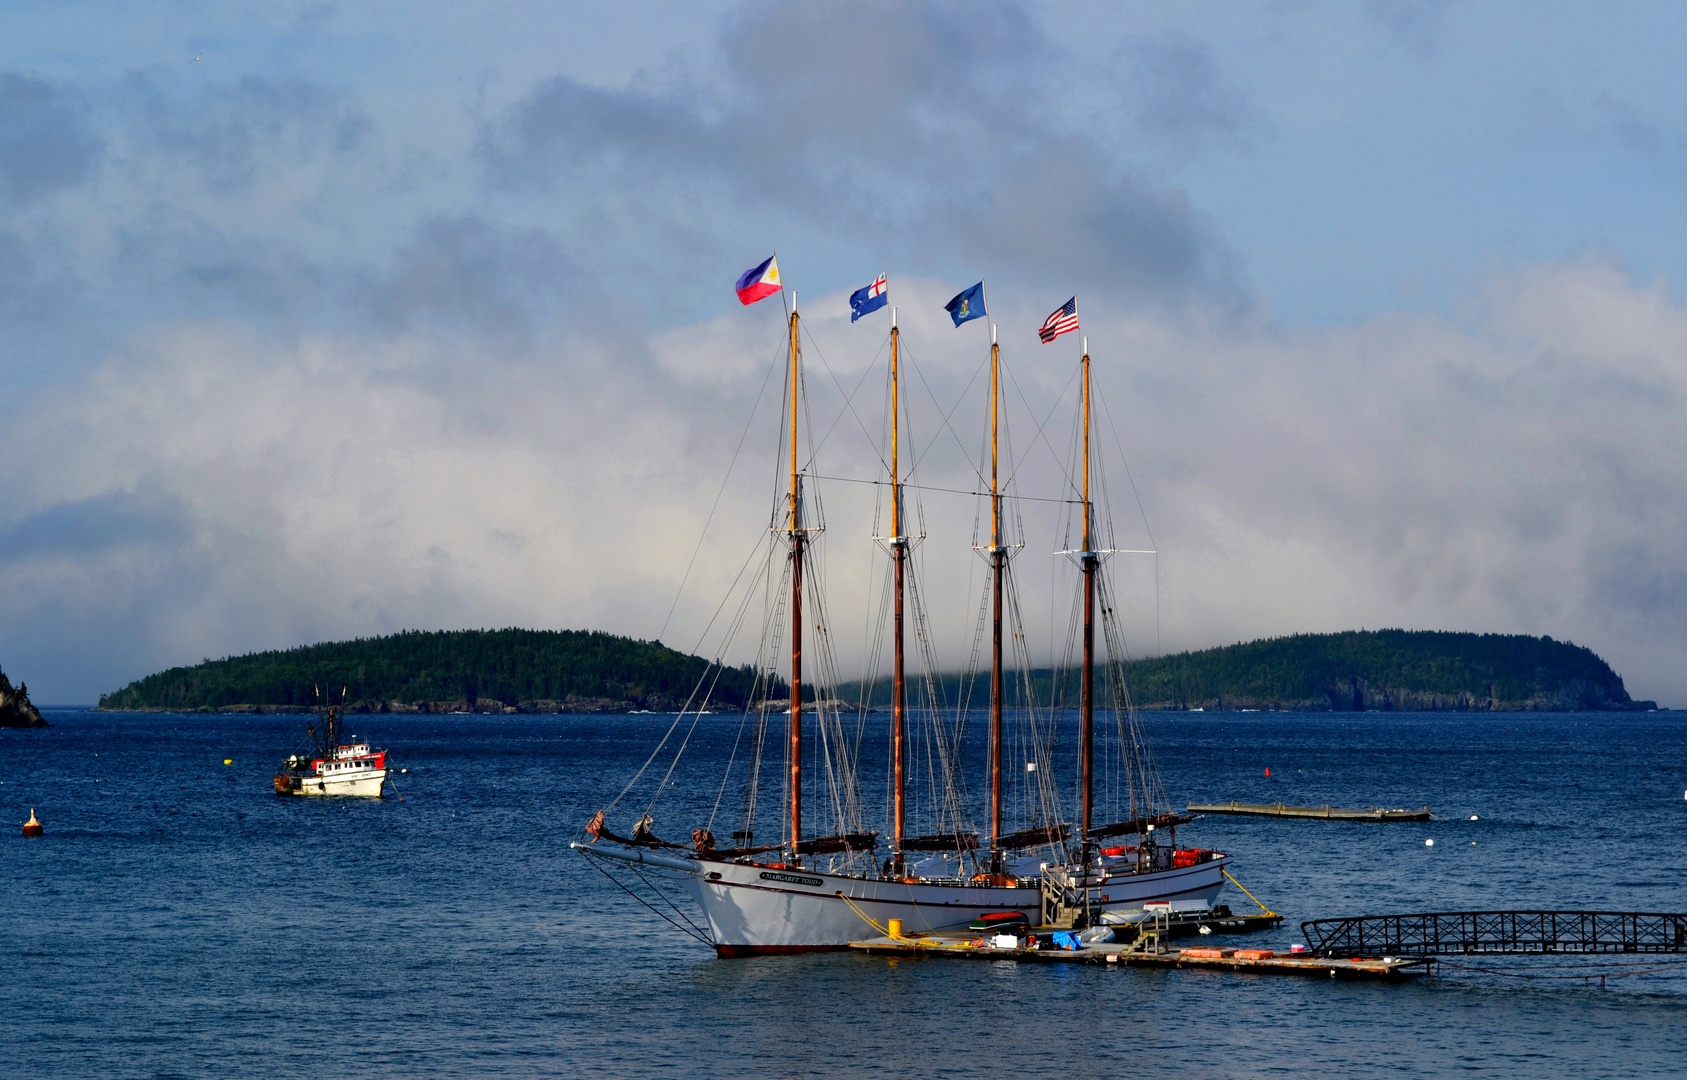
1064,318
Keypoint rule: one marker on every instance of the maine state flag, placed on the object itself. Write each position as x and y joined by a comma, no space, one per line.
967,305
868,300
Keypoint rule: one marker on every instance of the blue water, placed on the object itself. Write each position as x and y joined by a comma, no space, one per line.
180,920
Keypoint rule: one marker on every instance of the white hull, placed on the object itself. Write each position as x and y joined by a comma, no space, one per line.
757,909
364,784
754,909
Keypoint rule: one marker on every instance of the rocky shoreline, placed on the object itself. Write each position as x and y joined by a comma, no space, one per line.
1397,702
15,708
1356,696
483,706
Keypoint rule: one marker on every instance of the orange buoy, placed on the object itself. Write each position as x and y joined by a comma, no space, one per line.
32,827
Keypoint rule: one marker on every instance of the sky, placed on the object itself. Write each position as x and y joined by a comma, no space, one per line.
321,321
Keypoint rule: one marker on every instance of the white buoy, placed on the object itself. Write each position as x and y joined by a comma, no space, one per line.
1473,817
1429,843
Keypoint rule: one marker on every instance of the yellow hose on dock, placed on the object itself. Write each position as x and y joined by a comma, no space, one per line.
885,931
1244,889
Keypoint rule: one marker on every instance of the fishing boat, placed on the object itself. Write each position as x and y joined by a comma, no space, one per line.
808,892
331,767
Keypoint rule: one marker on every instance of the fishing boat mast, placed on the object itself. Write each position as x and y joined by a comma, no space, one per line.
998,553
899,557
1086,715
795,532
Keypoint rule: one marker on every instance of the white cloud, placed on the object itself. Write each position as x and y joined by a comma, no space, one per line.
1519,473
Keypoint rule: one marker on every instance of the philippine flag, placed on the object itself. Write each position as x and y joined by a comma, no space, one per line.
868,300
759,282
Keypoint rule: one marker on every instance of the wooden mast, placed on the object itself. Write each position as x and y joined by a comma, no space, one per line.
899,556
997,555
1086,716
796,535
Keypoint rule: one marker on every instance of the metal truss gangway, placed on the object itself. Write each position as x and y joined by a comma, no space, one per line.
1498,933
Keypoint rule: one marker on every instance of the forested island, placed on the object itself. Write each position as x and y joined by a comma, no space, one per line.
443,671
500,671
1355,671
1404,670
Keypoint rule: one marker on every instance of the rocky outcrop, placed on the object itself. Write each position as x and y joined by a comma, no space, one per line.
15,709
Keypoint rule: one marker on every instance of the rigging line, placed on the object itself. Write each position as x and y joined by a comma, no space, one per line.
730,589
959,401
1058,461
646,903
1159,648
646,765
1125,461
868,370
731,635
666,899
947,491
679,717
718,495
849,404
685,742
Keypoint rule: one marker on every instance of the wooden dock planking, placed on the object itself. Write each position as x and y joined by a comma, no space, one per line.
1390,969
1317,813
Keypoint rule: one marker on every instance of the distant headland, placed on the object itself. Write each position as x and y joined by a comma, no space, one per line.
506,671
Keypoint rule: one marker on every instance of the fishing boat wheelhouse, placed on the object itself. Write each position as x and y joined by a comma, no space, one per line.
332,767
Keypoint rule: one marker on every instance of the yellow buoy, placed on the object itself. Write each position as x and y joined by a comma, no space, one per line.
228,761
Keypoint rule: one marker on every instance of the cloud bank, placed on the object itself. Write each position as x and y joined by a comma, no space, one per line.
294,363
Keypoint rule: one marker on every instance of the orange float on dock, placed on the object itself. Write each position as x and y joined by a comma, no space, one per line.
32,827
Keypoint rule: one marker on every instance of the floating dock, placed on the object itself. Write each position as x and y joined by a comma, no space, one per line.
1205,958
1217,921
1323,813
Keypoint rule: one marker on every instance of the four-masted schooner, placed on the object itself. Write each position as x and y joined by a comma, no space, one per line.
822,892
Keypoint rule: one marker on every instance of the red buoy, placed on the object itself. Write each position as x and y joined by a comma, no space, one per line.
32,827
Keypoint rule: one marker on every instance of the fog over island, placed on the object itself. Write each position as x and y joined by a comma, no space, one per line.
321,321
